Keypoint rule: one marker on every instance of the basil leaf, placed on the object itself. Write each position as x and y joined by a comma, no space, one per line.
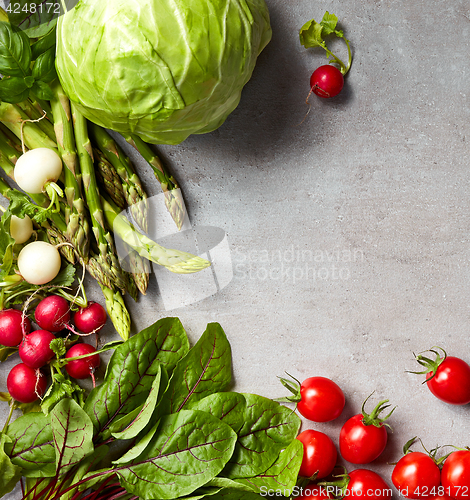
11,473
44,43
35,17
226,406
268,428
13,89
196,439
15,51
41,90
282,475
73,432
204,370
44,66
132,368
31,445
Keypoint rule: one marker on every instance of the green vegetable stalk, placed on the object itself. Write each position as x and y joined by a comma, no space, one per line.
13,117
106,259
34,113
131,186
173,198
117,311
175,261
7,150
78,227
109,179
311,35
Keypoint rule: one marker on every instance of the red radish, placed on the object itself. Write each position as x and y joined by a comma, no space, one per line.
53,313
34,351
12,327
26,384
84,367
90,319
326,81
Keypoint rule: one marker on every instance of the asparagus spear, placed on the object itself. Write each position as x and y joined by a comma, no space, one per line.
132,187
117,311
109,179
34,113
7,149
55,230
12,116
11,138
111,275
173,199
175,261
78,226
139,269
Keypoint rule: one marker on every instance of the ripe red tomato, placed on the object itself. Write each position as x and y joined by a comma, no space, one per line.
364,437
455,475
321,399
359,443
313,492
366,484
451,383
416,475
319,454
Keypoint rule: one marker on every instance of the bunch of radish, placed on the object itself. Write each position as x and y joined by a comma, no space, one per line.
26,382
327,80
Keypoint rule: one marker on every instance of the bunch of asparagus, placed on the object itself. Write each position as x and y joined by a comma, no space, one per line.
99,183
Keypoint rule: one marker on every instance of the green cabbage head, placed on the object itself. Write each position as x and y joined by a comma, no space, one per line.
161,69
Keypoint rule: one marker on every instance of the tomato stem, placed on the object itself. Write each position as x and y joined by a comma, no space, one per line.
293,387
430,365
374,417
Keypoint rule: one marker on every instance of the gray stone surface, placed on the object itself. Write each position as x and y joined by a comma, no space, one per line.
349,230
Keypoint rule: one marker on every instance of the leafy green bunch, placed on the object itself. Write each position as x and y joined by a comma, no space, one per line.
311,35
26,68
161,425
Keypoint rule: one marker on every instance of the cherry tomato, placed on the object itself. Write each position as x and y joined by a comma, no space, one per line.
319,454
321,399
326,81
416,475
451,383
367,485
313,492
364,437
359,443
455,475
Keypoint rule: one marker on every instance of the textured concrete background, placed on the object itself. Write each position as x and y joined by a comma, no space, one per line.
348,232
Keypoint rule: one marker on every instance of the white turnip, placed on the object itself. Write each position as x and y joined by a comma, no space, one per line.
39,262
21,229
36,169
